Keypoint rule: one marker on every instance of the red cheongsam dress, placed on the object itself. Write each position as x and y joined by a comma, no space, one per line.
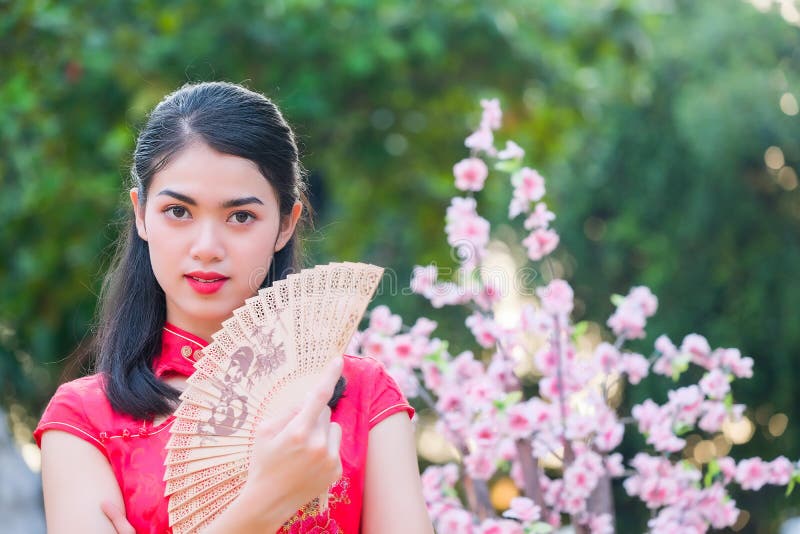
135,448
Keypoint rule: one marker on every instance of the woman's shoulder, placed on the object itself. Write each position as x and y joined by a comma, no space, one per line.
79,407
373,389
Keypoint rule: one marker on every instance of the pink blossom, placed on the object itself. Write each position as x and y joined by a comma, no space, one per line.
578,427
556,297
376,346
580,482
523,509
353,346
507,450
483,328
647,414
423,327
484,433
492,115
687,403
628,320
665,346
408,350
456,521
714,413
501,371
698,350
609,436
601,524
406,379
540,243
500,526
663,439
466,366
480,465
780,471
635,366
752,474
461,208
432,375
546,360
520,420
465,228
614,465
489,293
470,174
715,384
423,279
450,401
727,467
511,151
383,321
657,492
644,298
540,217
481,140
446,294
607,356
541,412
733,360
482,391
534,321
528,187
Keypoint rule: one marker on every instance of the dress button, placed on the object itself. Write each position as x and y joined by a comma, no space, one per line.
126,433
186,351
103,436
198,354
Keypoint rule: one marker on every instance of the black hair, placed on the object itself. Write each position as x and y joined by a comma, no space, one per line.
231,119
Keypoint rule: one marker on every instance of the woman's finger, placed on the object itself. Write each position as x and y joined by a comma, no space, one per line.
334,443
318,399
117,518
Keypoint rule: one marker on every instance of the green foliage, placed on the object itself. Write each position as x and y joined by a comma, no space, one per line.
649,119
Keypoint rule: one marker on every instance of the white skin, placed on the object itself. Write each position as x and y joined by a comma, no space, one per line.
238,242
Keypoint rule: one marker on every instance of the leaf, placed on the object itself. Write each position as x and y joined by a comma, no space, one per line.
509,165
729,401
539,527
711,473
616,300
509,400
580,329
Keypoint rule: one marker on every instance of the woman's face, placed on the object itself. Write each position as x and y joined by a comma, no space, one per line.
212,225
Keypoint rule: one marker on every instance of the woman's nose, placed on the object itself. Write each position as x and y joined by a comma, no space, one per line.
208,245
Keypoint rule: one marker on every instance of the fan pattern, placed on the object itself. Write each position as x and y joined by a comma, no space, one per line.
261,364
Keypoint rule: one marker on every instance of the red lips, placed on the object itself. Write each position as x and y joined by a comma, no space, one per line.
205,282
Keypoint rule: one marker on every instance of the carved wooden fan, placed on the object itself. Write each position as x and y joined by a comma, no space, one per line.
261,364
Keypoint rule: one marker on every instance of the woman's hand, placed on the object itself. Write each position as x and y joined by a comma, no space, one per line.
295,459
117,518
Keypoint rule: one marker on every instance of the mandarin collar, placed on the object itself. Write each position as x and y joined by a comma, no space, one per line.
179,350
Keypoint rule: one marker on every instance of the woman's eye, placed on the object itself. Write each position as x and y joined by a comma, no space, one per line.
242,217
177,212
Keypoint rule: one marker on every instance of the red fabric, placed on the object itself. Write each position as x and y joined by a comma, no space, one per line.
135,448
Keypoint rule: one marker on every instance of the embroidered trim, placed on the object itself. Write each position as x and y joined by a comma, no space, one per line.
145,434
403,404
82,431
183,337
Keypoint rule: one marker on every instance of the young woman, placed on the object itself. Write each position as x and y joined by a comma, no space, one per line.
217,200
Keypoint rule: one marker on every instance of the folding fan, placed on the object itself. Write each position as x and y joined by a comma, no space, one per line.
261,364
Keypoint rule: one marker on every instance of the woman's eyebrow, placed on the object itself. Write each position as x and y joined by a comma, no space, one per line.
236,202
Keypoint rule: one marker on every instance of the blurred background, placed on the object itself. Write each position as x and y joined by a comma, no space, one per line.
668,131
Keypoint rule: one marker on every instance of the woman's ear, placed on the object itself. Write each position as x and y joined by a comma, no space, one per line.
288,224
138,211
